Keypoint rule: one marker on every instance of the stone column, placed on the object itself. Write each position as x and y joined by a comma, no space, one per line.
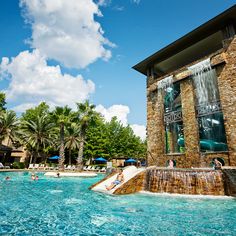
155,126
191,133
227,89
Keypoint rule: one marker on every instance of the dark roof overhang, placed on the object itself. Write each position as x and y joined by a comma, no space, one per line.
204,31
4,148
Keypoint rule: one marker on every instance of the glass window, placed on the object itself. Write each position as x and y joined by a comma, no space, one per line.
209,113
174,136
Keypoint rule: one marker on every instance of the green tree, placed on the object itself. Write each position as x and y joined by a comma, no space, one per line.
33,113
96,140
86,116
38,134
2,101
9,126
62,116
72,138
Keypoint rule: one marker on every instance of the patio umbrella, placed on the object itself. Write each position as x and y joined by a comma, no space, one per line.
130,160
53,158
101,159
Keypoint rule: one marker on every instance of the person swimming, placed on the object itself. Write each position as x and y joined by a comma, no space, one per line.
119,179
33,176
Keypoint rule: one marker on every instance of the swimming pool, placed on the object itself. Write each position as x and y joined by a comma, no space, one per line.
65,206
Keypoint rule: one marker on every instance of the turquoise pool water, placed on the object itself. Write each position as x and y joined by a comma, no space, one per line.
65,206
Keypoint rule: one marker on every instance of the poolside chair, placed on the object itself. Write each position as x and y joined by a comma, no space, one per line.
31,166
36,166
85,168
97,168
93,168
68,167
41,167
89,168
103,169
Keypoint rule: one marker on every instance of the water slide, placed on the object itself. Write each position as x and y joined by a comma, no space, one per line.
207,144
129,172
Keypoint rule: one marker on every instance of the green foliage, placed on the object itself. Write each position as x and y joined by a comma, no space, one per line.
9,125
112,139
82,134
32,114
18,165
38,134
2,101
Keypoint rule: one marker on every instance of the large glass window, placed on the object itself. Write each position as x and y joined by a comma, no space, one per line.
208,108
173,119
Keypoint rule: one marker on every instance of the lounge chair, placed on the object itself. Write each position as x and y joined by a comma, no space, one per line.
89,168
36,166
93,168
4,167
31,166
41,167
103,169
85,168
68,167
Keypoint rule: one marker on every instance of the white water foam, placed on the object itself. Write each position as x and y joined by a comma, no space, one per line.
55,191
100,220
72,201
186,195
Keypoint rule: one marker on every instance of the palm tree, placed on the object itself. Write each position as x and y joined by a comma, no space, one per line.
62,116
9,126
38,134
86,116
72,138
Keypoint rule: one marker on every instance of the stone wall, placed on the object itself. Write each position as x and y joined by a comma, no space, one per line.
227,88
182,181
225,63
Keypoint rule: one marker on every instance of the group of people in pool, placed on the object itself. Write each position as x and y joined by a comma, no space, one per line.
34,177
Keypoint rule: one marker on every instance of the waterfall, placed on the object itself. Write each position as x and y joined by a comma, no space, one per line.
205,82
165,83
206,182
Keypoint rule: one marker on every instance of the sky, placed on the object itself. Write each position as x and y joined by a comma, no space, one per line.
67,51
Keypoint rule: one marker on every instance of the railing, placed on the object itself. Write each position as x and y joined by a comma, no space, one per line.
172,117
208,108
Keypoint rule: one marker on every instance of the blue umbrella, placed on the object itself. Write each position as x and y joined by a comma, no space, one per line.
54,158
130,160
101,159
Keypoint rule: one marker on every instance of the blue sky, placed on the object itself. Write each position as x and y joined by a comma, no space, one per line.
85,49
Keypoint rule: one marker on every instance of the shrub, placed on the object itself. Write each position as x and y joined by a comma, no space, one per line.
18,165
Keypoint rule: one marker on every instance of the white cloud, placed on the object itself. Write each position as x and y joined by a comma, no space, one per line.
121,112
66,31
31,81
139,130
103,2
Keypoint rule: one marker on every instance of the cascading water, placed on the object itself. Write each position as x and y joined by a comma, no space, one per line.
204,78
165,83
211,125
206,182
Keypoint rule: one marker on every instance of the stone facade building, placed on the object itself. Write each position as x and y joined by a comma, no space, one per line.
191,97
